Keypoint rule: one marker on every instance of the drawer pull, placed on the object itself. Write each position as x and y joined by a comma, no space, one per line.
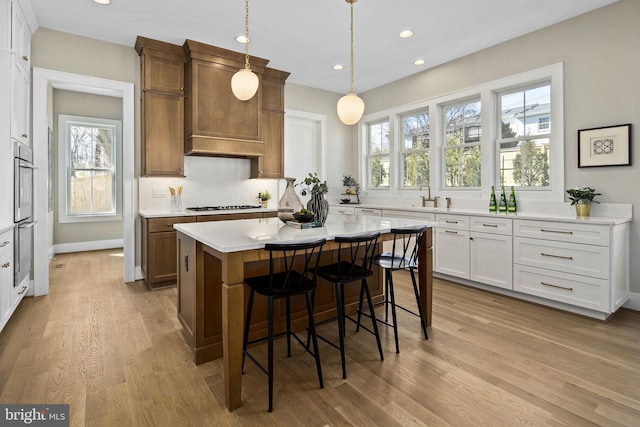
490,225
450,222
450,232
556,256
556,286
6,265
169,225
366,210
3,244
23,290
556,231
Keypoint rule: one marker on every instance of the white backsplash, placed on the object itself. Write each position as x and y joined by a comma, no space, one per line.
209,181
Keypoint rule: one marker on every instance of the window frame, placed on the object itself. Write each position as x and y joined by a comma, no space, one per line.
488,93
64,168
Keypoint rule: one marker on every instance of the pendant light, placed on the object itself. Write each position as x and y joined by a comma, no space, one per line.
351,106
244,83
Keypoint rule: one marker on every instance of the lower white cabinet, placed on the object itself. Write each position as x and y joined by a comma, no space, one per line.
6,277
452,254
491,259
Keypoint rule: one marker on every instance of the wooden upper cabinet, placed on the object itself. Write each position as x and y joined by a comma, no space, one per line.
163,74
162,110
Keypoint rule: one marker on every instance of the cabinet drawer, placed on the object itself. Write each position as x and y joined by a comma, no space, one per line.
582,291
491,225
563,232
586,260
425,216
342,210
157,225
456,222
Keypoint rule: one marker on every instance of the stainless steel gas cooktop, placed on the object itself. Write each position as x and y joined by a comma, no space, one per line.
222,208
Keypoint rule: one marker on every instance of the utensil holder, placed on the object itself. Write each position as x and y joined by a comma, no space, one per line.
176,203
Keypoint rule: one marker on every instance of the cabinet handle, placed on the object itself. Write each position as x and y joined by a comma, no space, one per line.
24,135
6,265
556,286
24,289
366,210
451,222
556,256
556,231
450,232
186,262
181,88
490,225
25,58
4,244
169,224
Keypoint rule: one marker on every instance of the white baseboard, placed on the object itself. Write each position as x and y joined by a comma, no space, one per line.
95,245
634,301
51,252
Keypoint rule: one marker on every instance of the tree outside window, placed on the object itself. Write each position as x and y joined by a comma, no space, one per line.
463,135
379,154
415,150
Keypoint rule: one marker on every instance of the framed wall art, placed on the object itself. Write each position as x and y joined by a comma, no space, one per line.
605,146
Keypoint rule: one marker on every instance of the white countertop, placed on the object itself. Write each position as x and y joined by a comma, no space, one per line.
542,216
160,213
246,234
6,226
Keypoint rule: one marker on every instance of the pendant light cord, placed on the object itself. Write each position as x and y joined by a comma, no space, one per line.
246,34
351,45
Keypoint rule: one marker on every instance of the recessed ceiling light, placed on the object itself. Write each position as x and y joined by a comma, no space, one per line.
242,39
405,34
103,1
338,67
419,62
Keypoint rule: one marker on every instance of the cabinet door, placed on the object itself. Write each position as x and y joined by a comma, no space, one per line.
6,279
452,252
163,134
20,94
20,37
162,257
491,259
163,74
271,164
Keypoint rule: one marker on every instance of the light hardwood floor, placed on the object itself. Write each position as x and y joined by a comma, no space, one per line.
115,353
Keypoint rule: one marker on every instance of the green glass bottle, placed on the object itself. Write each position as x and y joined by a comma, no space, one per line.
503,201
493,203
512,205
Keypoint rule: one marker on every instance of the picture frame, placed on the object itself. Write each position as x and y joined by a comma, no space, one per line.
604,146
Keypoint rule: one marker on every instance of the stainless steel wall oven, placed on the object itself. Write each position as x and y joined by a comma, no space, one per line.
23,213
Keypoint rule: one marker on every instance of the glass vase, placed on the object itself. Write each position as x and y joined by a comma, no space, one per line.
319,206
289,202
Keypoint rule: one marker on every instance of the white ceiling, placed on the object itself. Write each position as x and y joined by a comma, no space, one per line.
306,37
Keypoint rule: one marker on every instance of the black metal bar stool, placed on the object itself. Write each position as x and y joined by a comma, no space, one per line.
355,255
403,256
285,281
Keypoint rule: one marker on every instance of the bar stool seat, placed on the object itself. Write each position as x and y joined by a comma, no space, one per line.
403,256
285,281
355,256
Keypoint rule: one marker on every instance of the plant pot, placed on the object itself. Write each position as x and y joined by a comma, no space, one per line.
265,203
583,209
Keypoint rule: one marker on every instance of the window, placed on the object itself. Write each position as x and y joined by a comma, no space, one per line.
378,154
523,140
415,149
462,138
87,152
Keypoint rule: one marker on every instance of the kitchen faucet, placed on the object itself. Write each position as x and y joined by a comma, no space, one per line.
428,198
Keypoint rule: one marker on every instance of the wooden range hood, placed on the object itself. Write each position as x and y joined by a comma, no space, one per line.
216,122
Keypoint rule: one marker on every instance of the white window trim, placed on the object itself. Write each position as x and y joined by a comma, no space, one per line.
489,152
63,155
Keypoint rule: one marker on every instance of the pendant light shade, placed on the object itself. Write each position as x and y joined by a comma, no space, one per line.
244,83
350,107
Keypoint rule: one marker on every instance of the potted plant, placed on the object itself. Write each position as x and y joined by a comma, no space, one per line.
582,197
265,196
317,188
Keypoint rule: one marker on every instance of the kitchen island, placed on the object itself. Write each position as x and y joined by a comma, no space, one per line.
215,257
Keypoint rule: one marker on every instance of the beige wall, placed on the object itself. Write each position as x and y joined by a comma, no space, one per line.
601,55
86,105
